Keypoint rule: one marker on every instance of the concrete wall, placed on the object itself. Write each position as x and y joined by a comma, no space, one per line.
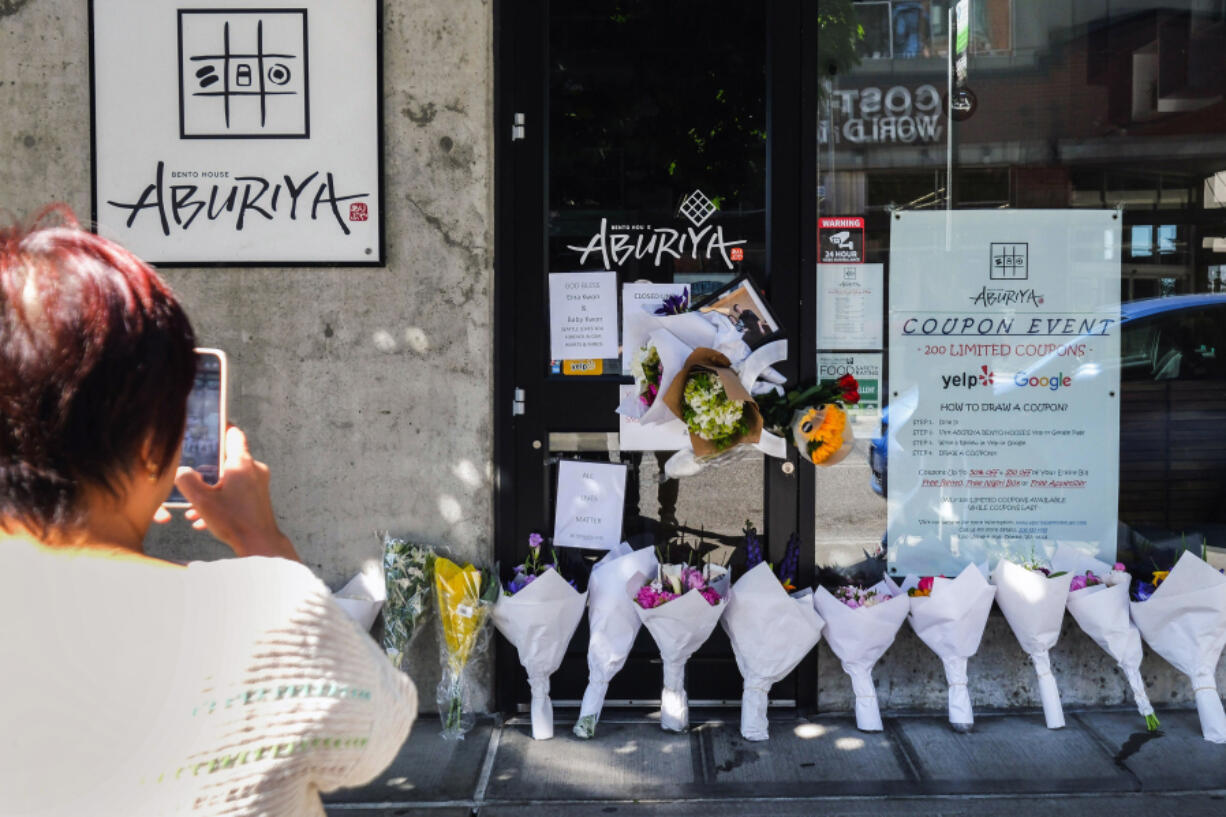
367,391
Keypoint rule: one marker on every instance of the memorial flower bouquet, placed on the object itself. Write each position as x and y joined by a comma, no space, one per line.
1033,598
654,366
861,624
538,612
680,607
465,596
613,625
771,626
1184,620
408,571
713,403
949,616
1098,602
814,418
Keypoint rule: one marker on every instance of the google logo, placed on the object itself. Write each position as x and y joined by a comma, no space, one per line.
1054,382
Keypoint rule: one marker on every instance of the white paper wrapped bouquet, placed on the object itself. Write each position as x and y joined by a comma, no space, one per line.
771,625
680,606
538,612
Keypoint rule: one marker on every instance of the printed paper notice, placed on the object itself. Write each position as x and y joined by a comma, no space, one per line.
639,300
591,501
866,369
582,315
849,306
1004,383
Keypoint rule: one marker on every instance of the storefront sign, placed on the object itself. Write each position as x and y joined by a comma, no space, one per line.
850,306
582,315
884,116
840,240
238,135
591,499
615,244
1004,415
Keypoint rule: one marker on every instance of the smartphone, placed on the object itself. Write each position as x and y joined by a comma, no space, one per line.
205,432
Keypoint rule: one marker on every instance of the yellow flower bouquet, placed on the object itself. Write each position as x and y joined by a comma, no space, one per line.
465,597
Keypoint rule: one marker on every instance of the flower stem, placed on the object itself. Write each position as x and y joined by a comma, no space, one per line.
1151,722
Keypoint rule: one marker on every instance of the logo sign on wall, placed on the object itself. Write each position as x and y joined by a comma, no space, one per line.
243,134
841,240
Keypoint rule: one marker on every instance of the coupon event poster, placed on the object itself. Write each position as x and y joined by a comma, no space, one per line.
1003,361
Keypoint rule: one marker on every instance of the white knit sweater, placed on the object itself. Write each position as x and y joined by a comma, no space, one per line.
236,687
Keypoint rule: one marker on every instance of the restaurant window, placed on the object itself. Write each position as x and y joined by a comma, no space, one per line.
913,29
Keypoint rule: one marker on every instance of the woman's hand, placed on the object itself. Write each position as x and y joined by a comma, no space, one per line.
238,509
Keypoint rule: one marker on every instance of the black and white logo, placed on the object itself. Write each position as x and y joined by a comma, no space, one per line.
697,208
1009,262
243,74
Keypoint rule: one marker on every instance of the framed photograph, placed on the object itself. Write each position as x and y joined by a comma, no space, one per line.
742,305
238,134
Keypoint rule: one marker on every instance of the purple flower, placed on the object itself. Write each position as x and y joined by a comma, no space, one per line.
692,578
1144,591
675,304
520,581
753,547
535,540
710,594
1119,566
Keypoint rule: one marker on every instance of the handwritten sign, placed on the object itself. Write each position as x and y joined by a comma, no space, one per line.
591,501
238,135
583,315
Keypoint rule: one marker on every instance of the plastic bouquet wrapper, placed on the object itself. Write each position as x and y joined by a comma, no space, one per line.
771,631
613,625
693,330
814,418
408,575
1033,603
860,627
539,620
1098,602
654,367
1184,620
680,609
949,616
465,595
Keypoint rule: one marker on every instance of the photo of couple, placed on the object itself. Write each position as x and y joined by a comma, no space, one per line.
747,312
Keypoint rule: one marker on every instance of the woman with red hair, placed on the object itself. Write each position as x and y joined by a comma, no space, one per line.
135,685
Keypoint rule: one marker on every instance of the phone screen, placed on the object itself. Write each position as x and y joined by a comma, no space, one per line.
202,435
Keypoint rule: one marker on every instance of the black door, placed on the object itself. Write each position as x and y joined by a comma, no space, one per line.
619,121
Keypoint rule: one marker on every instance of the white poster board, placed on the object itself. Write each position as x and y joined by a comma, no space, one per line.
582,315
591,501
238,133
849,306
634,436
1004,384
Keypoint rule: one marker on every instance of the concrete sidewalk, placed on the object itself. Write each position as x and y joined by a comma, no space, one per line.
1011,764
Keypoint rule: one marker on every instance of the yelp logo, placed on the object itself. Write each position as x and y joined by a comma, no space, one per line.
969,380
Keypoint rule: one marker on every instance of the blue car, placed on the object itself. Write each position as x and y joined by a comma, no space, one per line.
1172,417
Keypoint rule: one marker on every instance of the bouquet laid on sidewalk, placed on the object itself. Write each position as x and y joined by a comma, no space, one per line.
860,626
538,613
408,571
465,596
814,419
1184,620
613,625
770,629
949,616
680,608
1033,599
1098,602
